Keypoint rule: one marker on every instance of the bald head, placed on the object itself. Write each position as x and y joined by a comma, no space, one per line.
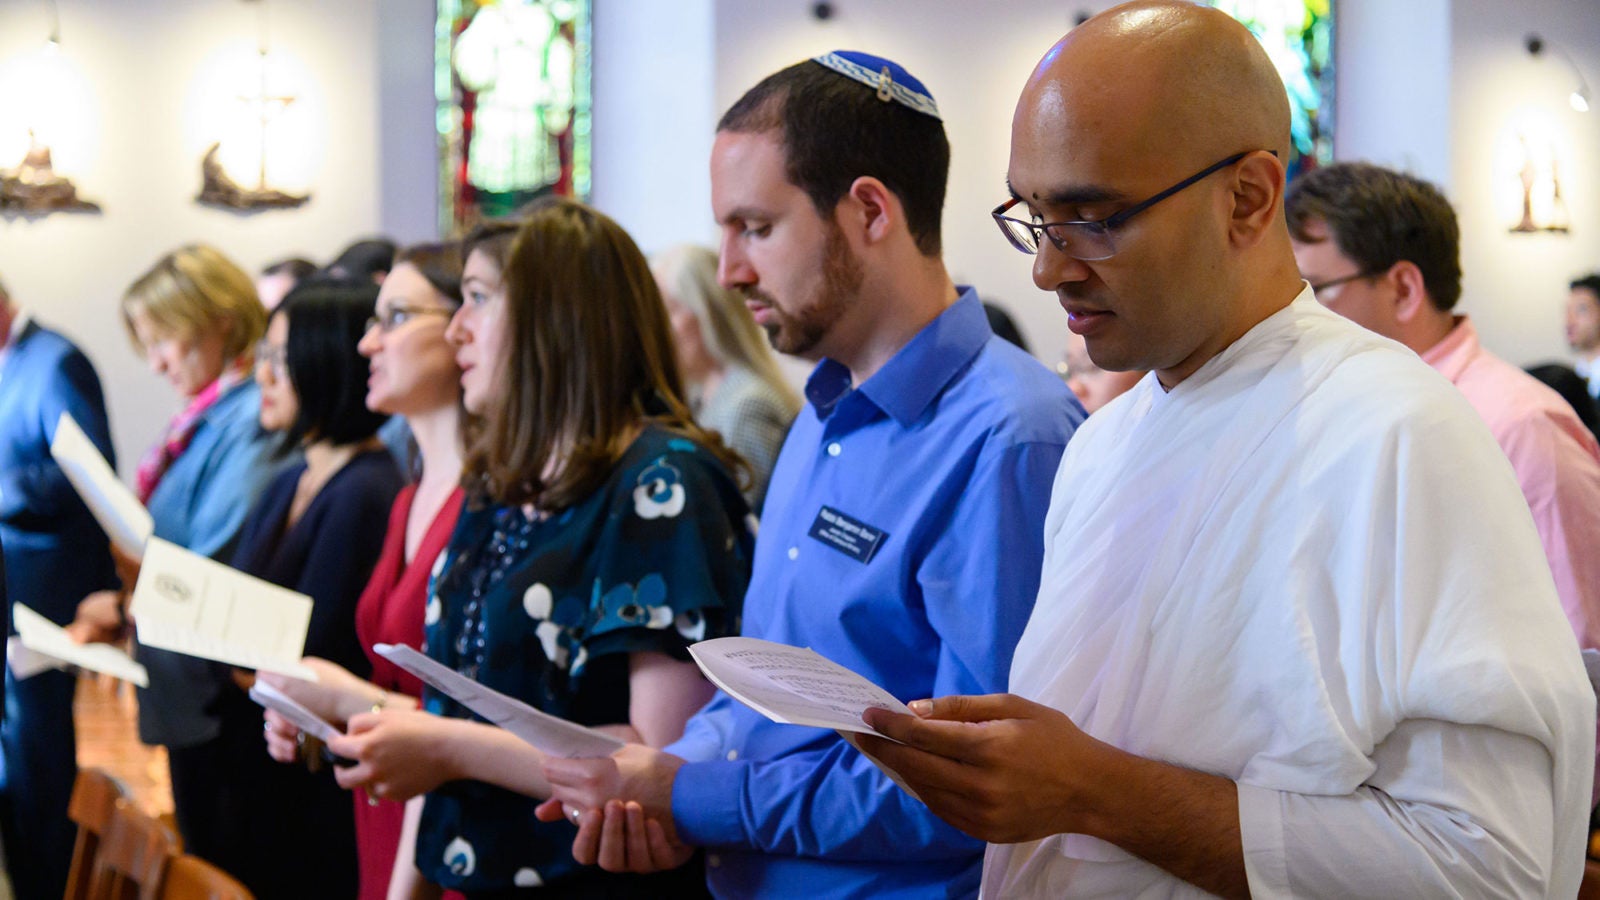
1163,103
1165,78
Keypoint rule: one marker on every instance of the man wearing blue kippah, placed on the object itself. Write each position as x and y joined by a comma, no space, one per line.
933,442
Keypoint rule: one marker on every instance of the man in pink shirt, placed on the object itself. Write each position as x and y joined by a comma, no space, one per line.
1381,249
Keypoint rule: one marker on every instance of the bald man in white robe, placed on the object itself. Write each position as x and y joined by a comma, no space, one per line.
1296,635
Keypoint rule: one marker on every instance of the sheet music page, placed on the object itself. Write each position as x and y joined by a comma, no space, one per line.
552,734
187,603
798,686
119,512
45,637
791,685
291,709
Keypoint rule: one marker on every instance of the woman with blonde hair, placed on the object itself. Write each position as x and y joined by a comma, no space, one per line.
734,382
195,317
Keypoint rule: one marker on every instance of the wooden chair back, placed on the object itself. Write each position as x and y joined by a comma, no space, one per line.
95,795
133,857
192,878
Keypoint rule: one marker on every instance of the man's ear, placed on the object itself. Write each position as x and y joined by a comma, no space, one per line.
870,209
1257,197
1410,291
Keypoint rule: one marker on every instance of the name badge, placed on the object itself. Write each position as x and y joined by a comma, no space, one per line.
852,537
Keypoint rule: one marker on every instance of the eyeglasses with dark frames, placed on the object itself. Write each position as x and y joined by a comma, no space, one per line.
1321,286
1091,241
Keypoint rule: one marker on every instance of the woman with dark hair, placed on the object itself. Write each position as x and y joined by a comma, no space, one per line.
603,534
313,531
413,376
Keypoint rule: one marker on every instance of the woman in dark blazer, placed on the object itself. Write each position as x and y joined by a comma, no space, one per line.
317,529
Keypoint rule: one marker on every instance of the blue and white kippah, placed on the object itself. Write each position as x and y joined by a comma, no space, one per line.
893,83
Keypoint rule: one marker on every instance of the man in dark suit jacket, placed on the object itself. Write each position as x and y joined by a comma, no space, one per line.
55,554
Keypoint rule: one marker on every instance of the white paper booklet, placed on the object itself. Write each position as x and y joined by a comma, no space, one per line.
25,663
791,685
552,734
46,638
291,709
187,603
118,511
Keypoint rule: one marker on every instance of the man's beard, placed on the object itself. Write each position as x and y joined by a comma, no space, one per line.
799,333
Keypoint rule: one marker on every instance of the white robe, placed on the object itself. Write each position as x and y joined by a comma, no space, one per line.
1308,568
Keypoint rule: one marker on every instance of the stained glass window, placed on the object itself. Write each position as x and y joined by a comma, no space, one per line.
1298,36
512,82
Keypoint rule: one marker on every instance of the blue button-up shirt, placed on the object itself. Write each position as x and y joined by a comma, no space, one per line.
943,460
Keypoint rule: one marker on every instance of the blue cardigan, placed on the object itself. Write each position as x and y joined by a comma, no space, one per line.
200,504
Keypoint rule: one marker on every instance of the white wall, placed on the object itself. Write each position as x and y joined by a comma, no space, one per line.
654,118
1392,91
408,153
143,64
1515,285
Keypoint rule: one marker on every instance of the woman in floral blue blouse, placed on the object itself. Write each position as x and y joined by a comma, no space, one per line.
603,534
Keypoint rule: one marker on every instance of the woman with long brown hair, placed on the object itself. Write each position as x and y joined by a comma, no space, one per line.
603,533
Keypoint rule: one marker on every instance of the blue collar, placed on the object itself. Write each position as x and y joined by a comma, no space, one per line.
918,373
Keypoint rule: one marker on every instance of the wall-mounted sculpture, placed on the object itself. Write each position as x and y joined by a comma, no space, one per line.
34,187
218,189
222,190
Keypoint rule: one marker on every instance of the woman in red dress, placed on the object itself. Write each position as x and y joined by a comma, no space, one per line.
413,375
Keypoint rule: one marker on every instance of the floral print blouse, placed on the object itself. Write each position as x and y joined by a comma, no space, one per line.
547,610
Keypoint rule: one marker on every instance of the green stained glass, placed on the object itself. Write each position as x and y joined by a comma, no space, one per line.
1298,36
512,81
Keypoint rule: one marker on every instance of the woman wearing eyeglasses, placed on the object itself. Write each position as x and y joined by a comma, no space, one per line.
315,530
413,374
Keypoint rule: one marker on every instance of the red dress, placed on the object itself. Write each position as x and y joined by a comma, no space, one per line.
390,611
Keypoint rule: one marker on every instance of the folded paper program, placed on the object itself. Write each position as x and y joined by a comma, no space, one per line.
46,638
119,512
187,603
553,735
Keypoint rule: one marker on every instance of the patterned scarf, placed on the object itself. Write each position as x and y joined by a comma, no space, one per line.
180,430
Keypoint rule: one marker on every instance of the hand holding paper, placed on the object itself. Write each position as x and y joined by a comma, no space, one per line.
791,685
1005,769
797,686
300,717
46,637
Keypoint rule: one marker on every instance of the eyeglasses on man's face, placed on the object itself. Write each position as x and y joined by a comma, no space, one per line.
387,320
1324,290
1090,241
